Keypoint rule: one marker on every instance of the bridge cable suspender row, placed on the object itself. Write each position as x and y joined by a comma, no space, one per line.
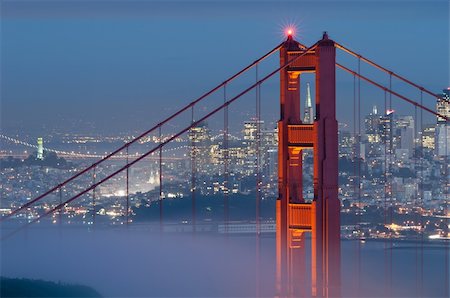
157,126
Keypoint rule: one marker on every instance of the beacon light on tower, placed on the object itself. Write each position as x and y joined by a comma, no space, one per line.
289,31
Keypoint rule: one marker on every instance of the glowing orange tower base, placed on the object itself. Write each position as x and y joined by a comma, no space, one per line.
295,216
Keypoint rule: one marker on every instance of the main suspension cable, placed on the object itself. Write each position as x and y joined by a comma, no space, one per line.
370,62
185,108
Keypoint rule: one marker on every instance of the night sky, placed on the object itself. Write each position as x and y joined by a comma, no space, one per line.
118,66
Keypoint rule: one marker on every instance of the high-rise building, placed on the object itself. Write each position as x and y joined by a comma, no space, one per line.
250,133
309,114
386,130
405,133
40,149
372,124
200,138
428,137
442,142
443,105
251,129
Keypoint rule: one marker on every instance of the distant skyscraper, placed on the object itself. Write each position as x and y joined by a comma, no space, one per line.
442,143
200,138
386,131
250,141
372,124
428,137
404,133
309,116
40,149
443,106
251,129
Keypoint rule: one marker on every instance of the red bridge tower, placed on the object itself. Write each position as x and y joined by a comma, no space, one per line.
294,215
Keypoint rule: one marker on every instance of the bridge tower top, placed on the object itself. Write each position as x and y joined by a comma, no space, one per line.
294,215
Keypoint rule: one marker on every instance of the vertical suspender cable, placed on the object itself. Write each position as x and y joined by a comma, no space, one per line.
391,148
446,230
225,161
358,151
258,178
258,156
357,276
386,188
94,176
160,201
421,198
416,198
127,191
60,210
193,170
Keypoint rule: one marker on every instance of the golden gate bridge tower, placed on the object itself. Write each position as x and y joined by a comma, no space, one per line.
294,215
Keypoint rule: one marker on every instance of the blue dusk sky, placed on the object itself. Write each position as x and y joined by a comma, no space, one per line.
120,66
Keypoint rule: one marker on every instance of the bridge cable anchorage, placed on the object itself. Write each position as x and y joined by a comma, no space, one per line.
166,141
391,73
118,150
404,98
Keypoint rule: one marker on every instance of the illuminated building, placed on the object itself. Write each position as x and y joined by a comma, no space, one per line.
40,149
309,116
373,134
404,132
251,143
442,142
372,123
200,138
443,105
428,137
386,131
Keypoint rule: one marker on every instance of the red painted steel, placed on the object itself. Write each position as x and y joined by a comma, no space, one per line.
294,217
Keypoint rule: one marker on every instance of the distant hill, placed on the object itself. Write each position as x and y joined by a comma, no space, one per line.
15,287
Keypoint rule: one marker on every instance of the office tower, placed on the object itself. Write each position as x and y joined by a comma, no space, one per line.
309,116
442,142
